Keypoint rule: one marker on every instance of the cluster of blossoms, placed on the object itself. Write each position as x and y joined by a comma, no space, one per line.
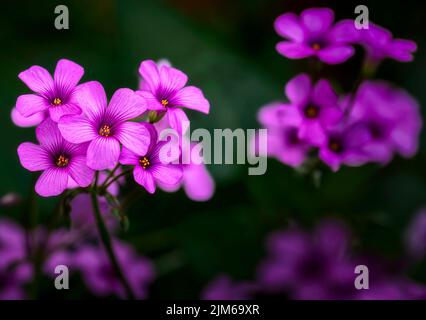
318,265
370,124
76,248
80,134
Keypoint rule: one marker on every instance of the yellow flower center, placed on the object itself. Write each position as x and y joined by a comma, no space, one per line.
164,102
105,131
144,162
57,102
62,161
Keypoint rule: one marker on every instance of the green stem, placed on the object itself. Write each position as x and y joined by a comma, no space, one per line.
106,240
111,174
106,185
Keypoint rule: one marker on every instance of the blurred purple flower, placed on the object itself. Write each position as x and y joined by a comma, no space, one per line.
344,145
58,159
100,277
377,41
105,126
283,140
315,108
312,34
415,236
15,270
392,117
82,217
152,166
165,91
57,95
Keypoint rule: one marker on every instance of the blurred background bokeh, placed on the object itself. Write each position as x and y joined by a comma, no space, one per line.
227,49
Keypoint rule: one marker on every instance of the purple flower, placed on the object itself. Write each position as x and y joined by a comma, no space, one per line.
150,166
82,217
344,145
415,236
100,277
57,95
196,181
315,108
164,89
283,122
312,34
15,272
105,127
392,117
309,266
58,159
377,41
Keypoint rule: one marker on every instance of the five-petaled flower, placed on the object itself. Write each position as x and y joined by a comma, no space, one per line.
312,34
156,165
164,89
313,108
55,95
60,160
106,126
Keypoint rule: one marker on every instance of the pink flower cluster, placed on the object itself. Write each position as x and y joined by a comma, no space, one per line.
370,124
79,132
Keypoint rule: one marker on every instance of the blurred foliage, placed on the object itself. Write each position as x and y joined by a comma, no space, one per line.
227,49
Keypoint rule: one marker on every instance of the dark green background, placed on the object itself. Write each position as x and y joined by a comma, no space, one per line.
227,49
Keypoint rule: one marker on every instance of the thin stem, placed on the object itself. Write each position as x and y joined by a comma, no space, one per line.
106,185
111,174
106,240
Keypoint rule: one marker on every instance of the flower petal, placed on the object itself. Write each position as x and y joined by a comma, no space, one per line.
288,26
52,182
144,178
192,98
91,97
198,183
317,20
298,89
38,79
48,135
33,157
59,111
29,104
31,121
80,172
167,173
151,100
127,157
103,153
312,132
336,54
67,75
293,50
172,79
125,104
134,136
177,119
324,94
148,70
77,129
402,50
